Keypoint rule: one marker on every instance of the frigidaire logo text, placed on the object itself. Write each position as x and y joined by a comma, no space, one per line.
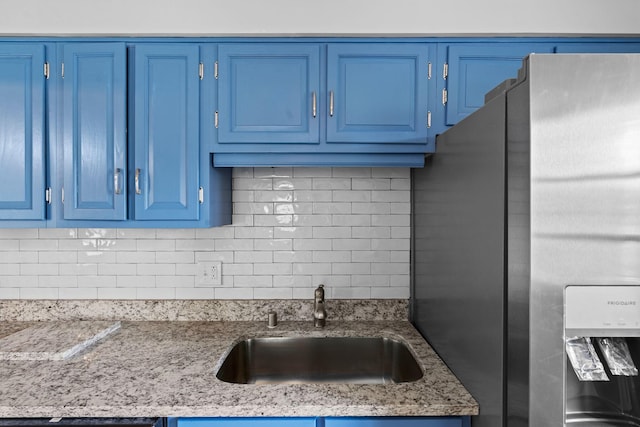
621,302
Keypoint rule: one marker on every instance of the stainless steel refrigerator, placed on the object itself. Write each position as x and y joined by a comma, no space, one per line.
536,192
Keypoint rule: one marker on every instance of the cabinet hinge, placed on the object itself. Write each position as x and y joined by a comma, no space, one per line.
215,69
62,195
201,195
428,119
46,70
445,71
216,120
444,96
201,71
429,71
47,195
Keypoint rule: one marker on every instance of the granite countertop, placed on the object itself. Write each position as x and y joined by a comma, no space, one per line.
167,368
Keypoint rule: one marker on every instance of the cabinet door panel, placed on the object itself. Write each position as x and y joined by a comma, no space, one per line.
475,69
244,422
377,93
267,92
166,132
396,422
95,165
22,132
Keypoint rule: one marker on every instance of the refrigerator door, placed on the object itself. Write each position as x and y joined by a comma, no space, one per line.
459,231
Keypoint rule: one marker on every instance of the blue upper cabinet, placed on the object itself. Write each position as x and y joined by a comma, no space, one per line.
166,117
94,128
317,104
472,70
22,132
269,93
377,93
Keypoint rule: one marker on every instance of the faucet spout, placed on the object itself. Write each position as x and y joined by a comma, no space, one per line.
319,311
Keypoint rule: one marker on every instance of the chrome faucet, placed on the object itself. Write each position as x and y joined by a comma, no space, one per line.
319,312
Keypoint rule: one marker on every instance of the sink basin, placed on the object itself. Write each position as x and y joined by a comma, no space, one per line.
319,360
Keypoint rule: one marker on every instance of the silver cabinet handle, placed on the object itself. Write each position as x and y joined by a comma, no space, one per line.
331,103
117,188
314,104
137,181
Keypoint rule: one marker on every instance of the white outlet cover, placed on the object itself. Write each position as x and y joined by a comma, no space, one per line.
209,273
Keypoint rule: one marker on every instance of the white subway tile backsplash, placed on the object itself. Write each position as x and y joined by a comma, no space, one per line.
11,269
312,196
97,281
18,233
390,293
253,281
195,293
117,293
342,208
155,293
351,196
272,269
292,184
293,229
9,245
293,232
233,293
78,293
39,293
37,245
9,293
293,256
351,293
137,257
272,293
58,257
372,184
80,269
17,257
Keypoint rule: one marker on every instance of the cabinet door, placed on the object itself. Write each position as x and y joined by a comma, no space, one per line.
166,120
475,69
243,422
268,93
397,422
95,163
22,132
377,93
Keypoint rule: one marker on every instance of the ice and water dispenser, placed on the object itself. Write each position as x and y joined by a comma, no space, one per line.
602,346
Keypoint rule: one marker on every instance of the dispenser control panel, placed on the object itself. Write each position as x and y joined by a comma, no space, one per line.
609,307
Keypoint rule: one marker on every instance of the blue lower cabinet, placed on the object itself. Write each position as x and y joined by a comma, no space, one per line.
242,422
397,422
322,422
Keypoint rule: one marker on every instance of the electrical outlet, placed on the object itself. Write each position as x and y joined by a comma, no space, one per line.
209,273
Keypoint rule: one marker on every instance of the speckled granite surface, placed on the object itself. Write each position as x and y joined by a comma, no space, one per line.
54,340
154,365
211,310
168,369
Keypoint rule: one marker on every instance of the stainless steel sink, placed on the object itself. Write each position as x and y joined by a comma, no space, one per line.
319,360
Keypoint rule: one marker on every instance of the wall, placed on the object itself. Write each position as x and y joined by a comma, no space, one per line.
333,17
293,228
